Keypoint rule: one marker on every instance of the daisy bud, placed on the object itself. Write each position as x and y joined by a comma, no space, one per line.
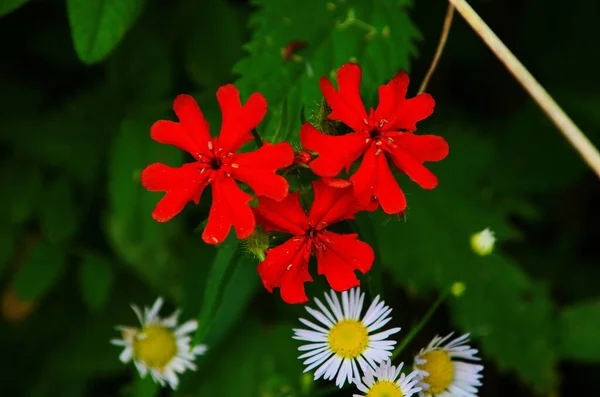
258,243
483,242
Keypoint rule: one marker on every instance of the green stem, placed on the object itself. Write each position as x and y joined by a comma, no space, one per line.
416,329
257,138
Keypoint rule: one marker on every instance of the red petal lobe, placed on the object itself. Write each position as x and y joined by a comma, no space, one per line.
182,185
238,120
332,204
229,208
391,96
257,169
286,216
335,152
411,111
286,267
375,179
422,147
341,256
346,104
190,134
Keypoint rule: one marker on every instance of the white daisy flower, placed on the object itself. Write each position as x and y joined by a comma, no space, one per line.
388,381
342,339
483,242
159,347
441,375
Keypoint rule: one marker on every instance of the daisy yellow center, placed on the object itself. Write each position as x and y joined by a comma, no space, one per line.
440,368
348,338
385,388
155,345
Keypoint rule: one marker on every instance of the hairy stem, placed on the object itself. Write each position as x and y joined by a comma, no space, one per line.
566,126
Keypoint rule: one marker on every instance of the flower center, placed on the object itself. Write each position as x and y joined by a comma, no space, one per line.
215,163
155,345
440,368
348,338
385,388
375,133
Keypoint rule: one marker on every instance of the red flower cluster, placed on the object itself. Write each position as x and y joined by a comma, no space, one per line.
386,132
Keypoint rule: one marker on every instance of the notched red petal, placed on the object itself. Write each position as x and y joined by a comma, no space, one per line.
182,184
238,121
258,169
335,152
286,268
286,216
229,208
342,255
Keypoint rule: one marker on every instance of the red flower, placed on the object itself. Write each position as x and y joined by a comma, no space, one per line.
384,132
338,255
217,164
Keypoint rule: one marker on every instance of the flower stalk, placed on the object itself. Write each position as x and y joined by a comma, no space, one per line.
563,122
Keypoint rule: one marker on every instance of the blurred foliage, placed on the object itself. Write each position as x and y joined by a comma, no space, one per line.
81,81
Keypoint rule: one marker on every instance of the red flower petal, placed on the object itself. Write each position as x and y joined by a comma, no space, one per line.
406,162
286,216
238,120
190,134
331,204
391,96
182,184
335,152
410,112
229,208
422,147
375,179
286,267
399,112
345,103
341,256
257,169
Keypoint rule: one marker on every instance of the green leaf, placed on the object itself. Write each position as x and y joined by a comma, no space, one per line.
241,286
42,269
59,217
262,363
97,26
95,281
216,282
431,250
579,330
332,37
7,6
139,240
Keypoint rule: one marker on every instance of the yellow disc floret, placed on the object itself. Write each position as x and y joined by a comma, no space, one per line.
348,338
440,368
385,388
155,345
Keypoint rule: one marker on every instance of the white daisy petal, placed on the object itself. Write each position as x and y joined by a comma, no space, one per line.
342,346
437,360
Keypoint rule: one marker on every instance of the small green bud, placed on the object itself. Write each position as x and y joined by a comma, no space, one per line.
258,243
458,288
